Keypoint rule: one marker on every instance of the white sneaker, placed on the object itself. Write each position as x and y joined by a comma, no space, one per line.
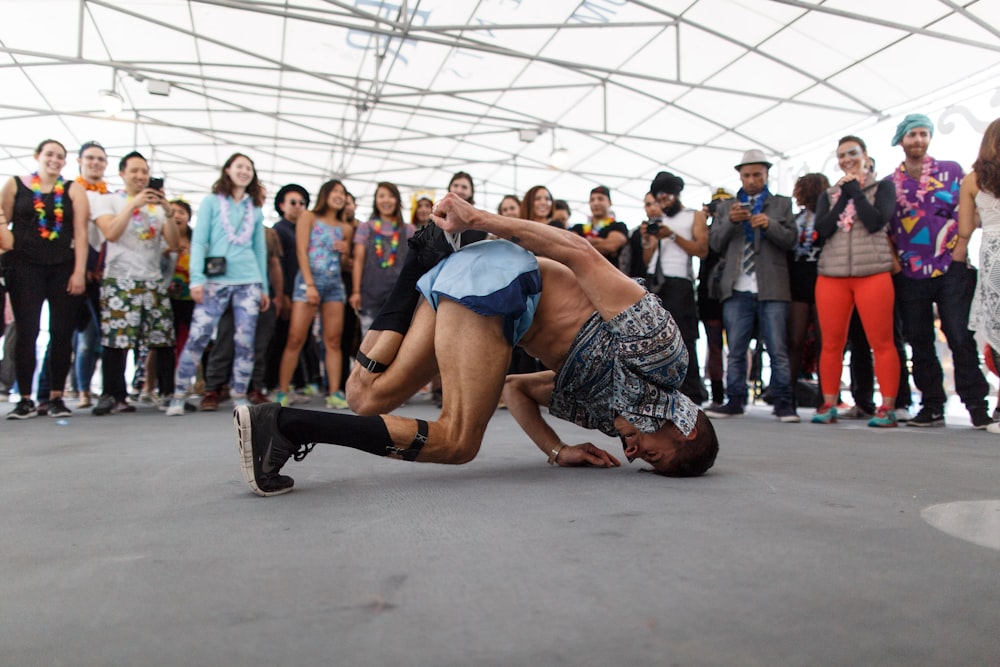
902,415
176,408
993,428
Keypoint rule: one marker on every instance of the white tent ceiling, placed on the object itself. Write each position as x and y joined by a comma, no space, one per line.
412,91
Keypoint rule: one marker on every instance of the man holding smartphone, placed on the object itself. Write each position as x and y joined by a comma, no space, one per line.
754,233
135,305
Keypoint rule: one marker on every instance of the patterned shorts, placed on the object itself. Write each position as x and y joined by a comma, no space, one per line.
134,312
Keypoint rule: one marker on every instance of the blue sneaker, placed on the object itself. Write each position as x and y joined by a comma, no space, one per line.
825,414
884,418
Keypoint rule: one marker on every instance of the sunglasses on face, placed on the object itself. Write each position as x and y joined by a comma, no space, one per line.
295,202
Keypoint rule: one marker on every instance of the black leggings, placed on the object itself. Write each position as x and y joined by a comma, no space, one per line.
29,285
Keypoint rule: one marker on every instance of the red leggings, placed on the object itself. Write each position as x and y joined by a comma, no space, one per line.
873,296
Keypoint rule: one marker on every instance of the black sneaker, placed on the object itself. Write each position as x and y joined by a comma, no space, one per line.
58,409
105,405
927,417
980,417
263,450
432,245
730,409
25,410
43,408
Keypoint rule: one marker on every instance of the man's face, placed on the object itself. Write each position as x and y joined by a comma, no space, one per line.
915,143
349,206
92,163
657,449
560,216
599,205
135,175
292,206
754,178
653,209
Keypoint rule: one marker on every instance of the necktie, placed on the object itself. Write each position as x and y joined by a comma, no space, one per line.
748,253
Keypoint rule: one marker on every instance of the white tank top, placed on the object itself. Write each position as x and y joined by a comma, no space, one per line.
989,211
674,262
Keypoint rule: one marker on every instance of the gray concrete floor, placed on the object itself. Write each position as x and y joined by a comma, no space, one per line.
133,540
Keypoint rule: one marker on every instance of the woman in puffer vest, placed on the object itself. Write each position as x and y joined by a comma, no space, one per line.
855,272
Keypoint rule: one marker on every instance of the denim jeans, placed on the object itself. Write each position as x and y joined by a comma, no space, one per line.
738,315
87,342
952,293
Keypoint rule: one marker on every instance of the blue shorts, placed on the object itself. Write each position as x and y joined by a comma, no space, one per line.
492,278
329,285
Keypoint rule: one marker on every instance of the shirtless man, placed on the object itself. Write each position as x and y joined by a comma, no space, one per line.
617,356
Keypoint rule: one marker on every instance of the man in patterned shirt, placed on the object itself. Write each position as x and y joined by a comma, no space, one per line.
616,354
925,231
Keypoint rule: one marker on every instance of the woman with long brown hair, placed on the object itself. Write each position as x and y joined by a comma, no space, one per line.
228,267
537,205
322,241
980,198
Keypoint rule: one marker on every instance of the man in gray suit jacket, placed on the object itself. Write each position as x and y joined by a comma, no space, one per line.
753,233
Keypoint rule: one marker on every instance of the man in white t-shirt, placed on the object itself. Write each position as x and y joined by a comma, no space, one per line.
135,305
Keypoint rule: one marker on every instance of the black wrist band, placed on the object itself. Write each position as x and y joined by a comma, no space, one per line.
370,365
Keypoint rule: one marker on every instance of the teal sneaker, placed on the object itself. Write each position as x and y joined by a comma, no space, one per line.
825,414
884,418
282,399
336,401
311,389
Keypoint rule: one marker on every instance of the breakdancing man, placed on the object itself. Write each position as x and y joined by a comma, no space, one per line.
617,356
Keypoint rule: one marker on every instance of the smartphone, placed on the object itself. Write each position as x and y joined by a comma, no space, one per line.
155,184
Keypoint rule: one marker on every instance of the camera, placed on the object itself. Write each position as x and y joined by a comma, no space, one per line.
653,227
155,184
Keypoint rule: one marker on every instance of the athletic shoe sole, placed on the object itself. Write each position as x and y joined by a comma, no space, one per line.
244,443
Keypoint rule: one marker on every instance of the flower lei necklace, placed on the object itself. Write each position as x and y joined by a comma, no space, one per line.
100,187
246,229
43,223
386,262
144,224
591,229
900,175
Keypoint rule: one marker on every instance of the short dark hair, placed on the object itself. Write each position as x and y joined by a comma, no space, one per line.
560,205
124,161
697,455
91,144
285,190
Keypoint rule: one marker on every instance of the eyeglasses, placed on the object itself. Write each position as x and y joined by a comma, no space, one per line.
854,152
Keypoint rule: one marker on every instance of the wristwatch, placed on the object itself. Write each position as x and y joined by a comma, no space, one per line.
673,236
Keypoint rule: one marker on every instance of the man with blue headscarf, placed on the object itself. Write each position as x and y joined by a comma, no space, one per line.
925,231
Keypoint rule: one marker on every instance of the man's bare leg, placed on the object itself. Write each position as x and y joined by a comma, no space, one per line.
474,356
410,360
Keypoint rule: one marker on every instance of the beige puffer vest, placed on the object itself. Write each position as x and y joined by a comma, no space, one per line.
858,252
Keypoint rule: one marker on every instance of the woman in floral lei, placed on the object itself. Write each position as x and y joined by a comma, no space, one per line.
228,268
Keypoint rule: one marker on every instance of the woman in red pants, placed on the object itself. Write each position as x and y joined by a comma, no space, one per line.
855,271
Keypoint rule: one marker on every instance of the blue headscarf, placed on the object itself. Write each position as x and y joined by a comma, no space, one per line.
911,121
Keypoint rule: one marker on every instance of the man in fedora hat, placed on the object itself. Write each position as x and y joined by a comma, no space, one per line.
753,233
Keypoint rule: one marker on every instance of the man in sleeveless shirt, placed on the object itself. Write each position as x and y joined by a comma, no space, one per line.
681,235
